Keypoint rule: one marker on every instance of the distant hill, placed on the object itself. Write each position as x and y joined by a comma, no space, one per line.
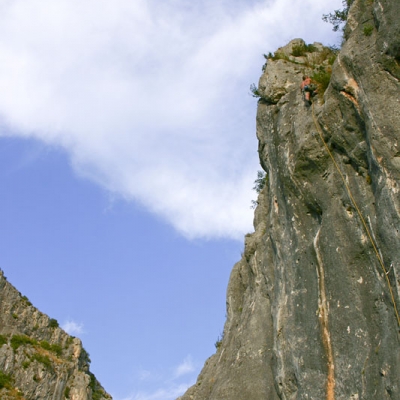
38,360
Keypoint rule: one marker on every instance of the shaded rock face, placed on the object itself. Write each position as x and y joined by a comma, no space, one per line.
38,360
311,314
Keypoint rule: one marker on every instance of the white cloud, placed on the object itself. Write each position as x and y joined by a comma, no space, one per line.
162,385
185,367
169,393
72,327
150,98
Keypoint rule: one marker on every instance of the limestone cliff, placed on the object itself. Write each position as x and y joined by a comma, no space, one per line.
38,360
312,306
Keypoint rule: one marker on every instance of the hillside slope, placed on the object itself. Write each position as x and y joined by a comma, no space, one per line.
38,360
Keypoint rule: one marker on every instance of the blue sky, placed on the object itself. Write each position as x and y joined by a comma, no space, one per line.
127,158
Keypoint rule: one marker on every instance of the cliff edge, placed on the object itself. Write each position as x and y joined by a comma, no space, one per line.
312,306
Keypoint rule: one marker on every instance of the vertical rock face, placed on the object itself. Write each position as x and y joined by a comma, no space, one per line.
38,360
312,307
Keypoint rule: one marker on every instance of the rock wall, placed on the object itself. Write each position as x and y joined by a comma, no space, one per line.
311,312
38,360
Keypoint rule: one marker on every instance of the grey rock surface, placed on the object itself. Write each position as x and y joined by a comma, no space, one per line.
38,360
311,312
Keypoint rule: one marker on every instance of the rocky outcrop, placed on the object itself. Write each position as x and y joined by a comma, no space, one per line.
312,306
38,360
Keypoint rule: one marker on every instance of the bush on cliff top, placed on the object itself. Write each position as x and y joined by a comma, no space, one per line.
53,323
301,49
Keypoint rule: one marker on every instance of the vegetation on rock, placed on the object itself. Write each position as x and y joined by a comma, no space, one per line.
21,340
301,49
260,182
53,323
5,380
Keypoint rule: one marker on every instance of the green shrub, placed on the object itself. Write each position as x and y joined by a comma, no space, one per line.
53,323
45,345
332,59
218,343
97,392
368,29
42,359
254,91
55,348
21,340
66,392
298,51
265,64
260,182
3,340
26,364
85,356
26,300
301,49
329,54
278,56
310,48
254,204
5,380
322,78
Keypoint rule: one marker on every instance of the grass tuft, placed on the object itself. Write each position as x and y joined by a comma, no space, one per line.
21,340
368,29
301,49
5,381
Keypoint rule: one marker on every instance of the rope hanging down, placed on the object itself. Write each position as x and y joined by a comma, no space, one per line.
318,127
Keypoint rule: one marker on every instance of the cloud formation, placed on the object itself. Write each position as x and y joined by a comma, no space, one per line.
162,385
186,367
73,328
150,99
169,393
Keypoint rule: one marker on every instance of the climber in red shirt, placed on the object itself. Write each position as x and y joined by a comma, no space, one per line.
307,88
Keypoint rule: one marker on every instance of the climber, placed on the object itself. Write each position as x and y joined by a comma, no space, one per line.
308,89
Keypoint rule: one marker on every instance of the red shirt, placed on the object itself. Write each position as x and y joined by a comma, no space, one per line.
306,82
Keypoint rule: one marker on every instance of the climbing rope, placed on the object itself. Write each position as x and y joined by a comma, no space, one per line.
319,130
